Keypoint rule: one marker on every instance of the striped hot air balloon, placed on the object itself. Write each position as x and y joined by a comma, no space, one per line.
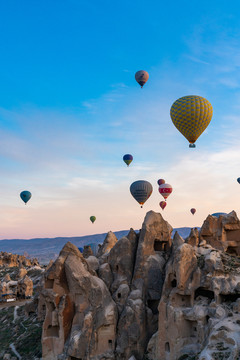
165,190
163,204
128,158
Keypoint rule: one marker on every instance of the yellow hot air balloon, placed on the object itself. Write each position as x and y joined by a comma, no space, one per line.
191,115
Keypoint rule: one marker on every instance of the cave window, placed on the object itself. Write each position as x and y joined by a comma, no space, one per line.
119,295
116,267
110,343
52,331
153,305
160,245
229,297
207,318
232,250
167,347
204,292
49,284
174,283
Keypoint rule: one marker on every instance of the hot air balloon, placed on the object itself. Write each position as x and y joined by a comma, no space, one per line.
25,196
161,181
141,190
238,180
219,214
191,115
128,158
141,77
92,218
163,204
193,211
165,190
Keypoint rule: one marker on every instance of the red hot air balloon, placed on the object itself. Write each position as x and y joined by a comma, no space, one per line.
193,211
161,181
163,204
165,190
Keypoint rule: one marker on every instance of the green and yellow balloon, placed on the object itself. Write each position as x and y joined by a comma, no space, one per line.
92,218
191,115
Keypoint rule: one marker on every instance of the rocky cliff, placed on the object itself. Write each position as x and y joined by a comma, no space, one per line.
147,296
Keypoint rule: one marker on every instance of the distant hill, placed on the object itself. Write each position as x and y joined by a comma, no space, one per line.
45,249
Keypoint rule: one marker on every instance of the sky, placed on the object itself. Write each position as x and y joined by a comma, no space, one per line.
70,108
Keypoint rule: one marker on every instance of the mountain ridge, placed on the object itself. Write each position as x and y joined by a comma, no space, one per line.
45,249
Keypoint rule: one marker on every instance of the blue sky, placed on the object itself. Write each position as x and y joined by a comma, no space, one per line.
70,109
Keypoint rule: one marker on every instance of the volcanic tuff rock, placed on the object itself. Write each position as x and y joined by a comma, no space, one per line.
147,292
81,316
11,260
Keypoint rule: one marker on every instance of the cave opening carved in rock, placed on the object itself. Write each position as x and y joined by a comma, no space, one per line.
52,331
204,292
153,305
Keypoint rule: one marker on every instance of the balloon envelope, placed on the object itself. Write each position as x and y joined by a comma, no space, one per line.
238,180
141,190
128,158
193,211
161,181
163,204
219,214
191,115
92,218
141,77
165,190
25,196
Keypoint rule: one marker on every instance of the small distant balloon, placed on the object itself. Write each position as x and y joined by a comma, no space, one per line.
238,180
163,204
193,211
128,158
25,196
141,77
93,218
141,190
161,181
165,190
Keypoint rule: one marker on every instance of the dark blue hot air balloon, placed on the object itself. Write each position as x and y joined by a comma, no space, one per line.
128,158
25,196
238,180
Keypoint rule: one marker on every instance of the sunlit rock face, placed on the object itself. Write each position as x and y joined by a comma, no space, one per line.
13,260
199,306
147,296
81,316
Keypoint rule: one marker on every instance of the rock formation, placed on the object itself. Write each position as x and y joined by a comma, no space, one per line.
147,296
81,316
11,260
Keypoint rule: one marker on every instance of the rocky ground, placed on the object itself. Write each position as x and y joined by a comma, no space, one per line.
20,328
